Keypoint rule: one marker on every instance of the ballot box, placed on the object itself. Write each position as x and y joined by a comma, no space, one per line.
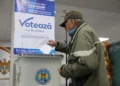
37,70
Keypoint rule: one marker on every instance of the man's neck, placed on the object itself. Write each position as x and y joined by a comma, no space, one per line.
71,33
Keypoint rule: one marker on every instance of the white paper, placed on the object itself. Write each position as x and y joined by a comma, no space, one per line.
45,48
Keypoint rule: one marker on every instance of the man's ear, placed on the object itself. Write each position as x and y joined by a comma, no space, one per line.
72,20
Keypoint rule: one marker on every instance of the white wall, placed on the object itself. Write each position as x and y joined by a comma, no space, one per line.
4,82
5,43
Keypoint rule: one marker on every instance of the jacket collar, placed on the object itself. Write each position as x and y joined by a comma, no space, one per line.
72,32
77,30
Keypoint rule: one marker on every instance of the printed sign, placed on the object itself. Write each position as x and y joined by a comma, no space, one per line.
34,26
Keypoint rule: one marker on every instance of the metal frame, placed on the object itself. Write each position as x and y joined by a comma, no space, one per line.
66,41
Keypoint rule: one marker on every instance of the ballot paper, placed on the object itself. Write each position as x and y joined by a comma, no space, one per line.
44,47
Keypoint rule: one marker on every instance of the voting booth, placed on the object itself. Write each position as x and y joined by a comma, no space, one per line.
38,70
33,61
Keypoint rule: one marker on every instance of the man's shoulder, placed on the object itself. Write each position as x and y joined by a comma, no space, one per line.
87,32
87,29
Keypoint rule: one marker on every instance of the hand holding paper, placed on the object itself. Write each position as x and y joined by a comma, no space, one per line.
44,47
59,70
51,43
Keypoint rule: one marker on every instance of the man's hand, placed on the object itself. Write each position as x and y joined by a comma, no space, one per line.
52,43
59,70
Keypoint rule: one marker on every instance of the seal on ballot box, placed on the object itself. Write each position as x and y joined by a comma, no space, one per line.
43,76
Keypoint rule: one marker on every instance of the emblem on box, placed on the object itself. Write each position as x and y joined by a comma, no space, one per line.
43,76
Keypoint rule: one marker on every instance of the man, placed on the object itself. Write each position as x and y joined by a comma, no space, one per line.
86,66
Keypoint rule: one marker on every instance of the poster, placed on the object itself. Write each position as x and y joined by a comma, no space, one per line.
4,62
34,25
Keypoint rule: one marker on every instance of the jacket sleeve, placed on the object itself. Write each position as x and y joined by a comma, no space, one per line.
62,47
87,59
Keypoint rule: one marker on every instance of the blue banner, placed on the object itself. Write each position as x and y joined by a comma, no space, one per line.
39,7
30,51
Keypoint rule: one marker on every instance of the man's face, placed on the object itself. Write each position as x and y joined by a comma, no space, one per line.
69,25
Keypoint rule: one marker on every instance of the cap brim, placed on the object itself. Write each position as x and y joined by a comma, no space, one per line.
63,24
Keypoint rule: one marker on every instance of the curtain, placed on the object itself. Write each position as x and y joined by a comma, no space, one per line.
114,55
